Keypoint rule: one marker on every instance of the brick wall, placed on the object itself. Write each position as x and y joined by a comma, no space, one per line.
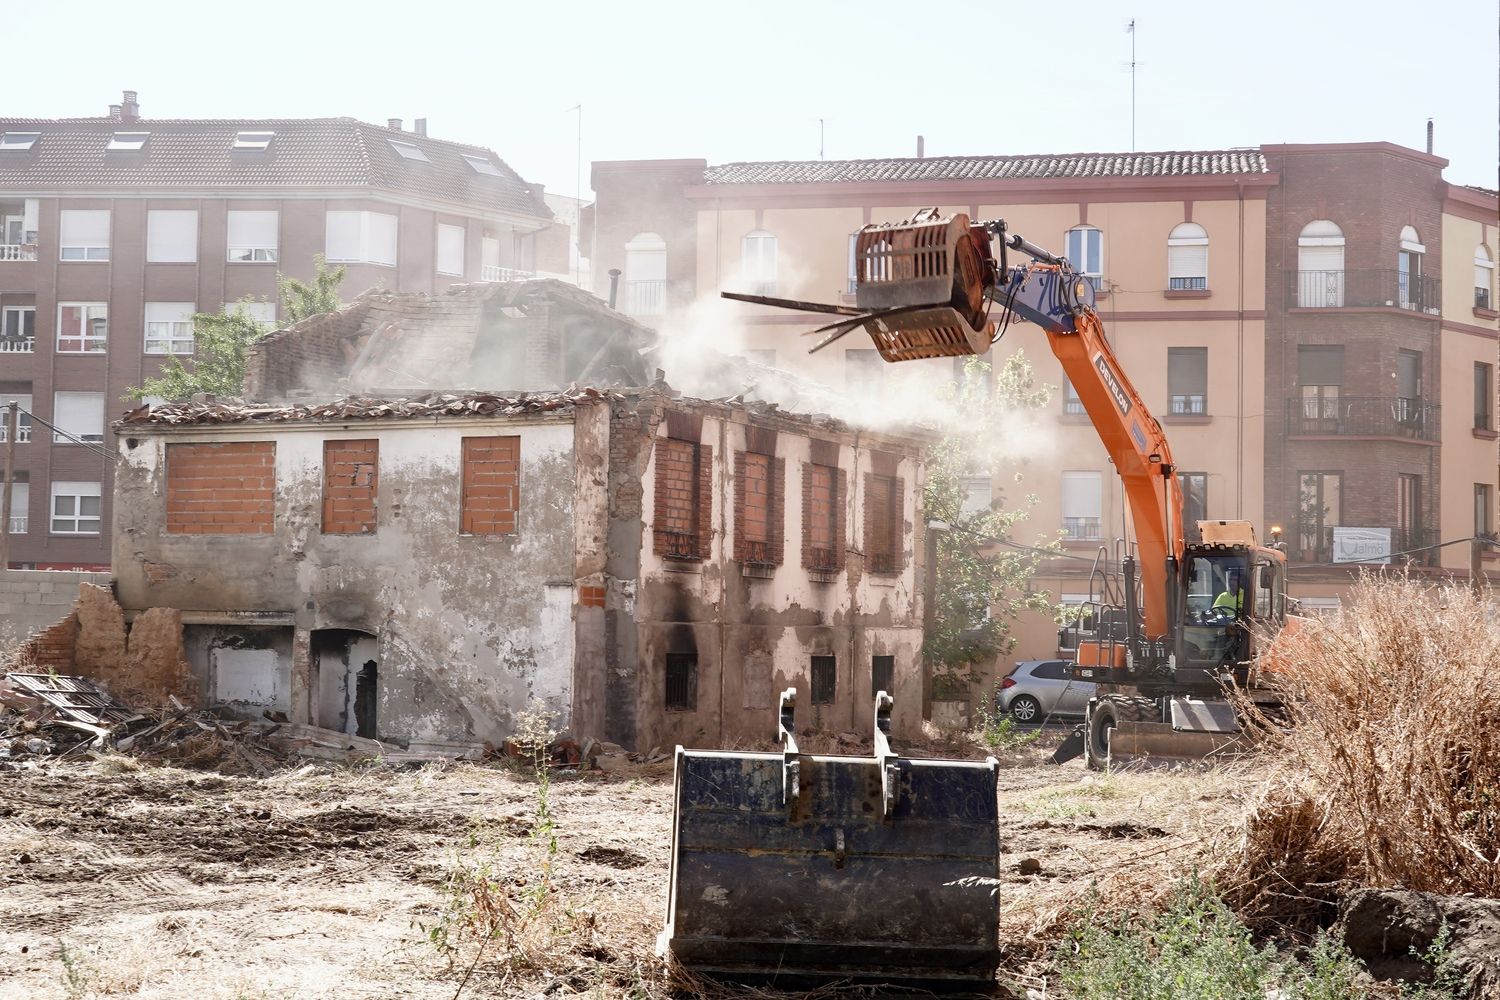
682,525
759,508
884,512
492,485
310,353
824,498
221,489
35,599
351,471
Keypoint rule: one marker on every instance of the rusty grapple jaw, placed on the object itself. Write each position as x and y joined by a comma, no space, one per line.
798,868
924,285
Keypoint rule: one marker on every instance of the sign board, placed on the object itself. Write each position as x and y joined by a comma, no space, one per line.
1362,545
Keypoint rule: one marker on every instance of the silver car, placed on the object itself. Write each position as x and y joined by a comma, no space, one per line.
1039,688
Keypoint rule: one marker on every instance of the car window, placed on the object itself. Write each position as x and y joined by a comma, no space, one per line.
1052,670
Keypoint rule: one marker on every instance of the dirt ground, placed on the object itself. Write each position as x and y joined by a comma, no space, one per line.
124,879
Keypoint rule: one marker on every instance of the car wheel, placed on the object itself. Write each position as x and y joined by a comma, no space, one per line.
1025,708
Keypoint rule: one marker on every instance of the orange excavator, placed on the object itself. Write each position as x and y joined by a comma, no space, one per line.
1194,613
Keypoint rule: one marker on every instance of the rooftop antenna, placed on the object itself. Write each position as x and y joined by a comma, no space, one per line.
1130,30
820,138
578,200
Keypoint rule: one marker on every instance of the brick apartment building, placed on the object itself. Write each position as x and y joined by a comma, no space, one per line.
115,230
1229,282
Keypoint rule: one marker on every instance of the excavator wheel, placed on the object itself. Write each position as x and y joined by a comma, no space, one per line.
1107,713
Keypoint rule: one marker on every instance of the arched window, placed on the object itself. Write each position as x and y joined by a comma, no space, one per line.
1410,289
1320,265
1187,258
758,262
645,275
1086,252
1484,278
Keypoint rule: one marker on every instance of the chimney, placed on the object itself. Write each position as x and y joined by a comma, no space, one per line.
393,123
419,126
114,111
614,285
129,109
1429,135
921,147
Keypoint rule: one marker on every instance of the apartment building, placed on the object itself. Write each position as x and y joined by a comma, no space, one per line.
115,230
1218,273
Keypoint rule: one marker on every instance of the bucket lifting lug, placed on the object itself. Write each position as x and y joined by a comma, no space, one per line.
890,773
785,734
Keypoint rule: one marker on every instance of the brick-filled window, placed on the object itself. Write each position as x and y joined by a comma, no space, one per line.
492,485
758,508
350,482
823,491
682,682
221,489
882,674
683,522
884,513
824,680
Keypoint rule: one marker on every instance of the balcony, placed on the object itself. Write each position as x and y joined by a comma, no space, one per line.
1315,544
1363,416
1372,288
18,525
1080,529
645,298
17,345
17,251
23,432
492,273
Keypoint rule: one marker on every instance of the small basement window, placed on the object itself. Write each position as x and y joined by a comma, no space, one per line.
682,682
882,674
824,679
253,140
127,141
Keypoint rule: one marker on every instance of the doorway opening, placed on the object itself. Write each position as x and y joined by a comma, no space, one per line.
346,679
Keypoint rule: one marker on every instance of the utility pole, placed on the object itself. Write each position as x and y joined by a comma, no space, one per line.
12,422
1476,577
1130,30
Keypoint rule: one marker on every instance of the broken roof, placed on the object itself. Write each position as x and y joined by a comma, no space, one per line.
977,168
303,154
433,404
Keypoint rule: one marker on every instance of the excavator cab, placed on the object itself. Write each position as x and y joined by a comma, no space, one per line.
797,867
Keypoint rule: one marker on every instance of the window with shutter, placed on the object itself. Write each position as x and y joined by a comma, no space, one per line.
361,238
1086,253
1187,381
171,236
1484,278
1320,265
84,235
78,415
1082,505
252,237
450,250
1187,258
758,262
1320,376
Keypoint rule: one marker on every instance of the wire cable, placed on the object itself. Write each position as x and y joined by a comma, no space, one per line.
90,445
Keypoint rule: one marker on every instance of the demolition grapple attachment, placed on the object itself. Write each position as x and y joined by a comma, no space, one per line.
792,866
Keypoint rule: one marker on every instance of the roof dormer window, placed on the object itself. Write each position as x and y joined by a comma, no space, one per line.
18,140
253,140
128,141
482,166
408,151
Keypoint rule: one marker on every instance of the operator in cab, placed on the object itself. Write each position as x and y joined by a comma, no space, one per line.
1231,602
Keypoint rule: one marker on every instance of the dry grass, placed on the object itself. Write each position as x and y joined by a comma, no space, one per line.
1387,765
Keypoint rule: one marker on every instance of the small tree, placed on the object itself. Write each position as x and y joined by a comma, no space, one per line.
301,299
221,341
981,576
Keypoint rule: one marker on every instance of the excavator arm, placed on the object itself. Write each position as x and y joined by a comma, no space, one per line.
1059,300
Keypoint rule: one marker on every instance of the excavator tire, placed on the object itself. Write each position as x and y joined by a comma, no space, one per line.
1107,713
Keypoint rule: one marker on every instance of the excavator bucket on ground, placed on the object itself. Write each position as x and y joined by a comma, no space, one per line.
791,867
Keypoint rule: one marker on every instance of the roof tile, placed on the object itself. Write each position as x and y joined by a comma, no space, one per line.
951,168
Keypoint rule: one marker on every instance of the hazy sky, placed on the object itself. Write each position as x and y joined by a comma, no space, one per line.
751,81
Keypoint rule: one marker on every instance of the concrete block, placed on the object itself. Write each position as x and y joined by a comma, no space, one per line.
46,588
33,598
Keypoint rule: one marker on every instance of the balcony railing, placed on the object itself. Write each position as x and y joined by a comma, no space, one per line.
23,432
1314,544
17,525
1363,288
491,273
17,345
645,298
678,545
1081,529
1364,416
17,251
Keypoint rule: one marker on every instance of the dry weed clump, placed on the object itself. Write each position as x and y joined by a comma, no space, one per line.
1387,761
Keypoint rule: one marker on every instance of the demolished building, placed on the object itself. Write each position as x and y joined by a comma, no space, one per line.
650,568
